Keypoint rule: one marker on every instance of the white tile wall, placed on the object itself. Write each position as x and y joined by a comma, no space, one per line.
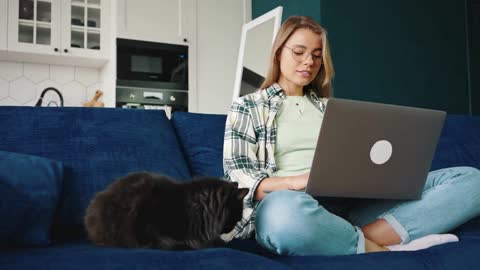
11,70
22,83
21,90
36,72
62,74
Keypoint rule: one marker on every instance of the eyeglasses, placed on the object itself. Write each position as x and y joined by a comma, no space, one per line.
300,54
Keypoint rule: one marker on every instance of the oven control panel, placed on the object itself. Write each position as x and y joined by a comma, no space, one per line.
143,97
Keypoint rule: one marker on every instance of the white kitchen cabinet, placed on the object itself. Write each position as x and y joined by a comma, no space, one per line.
70,28
3,24
34,26
165,21
85,27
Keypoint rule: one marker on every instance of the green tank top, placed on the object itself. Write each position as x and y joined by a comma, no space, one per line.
298,125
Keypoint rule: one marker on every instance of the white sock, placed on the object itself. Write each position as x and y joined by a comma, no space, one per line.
425,242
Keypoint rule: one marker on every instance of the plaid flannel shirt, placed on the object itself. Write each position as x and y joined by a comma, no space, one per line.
249,145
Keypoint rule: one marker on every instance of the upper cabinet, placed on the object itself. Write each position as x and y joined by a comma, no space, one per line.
84,28
3,24
77,28
164,21
34,26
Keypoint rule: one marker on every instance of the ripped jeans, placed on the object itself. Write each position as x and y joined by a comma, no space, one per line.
294,223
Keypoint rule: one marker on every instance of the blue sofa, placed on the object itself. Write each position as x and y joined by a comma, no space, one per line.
56,159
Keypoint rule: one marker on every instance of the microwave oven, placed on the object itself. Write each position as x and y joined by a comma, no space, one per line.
151,75
162,64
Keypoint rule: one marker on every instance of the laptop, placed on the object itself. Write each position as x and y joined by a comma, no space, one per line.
373,150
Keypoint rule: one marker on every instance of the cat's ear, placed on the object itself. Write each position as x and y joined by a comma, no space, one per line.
241,193
235,184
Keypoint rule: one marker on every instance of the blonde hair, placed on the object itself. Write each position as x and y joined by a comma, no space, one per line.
321,84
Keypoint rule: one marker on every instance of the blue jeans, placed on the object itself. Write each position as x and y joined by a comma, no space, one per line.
294,223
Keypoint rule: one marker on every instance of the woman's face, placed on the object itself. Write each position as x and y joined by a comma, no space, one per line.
300,58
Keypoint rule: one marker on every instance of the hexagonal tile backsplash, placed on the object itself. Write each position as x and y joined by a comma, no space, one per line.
22,83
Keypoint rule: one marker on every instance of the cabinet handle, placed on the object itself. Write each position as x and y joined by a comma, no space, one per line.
185,40
56,49
66,50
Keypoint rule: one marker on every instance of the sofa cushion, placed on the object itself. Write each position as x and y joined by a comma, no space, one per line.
81,255
459,143
201,137
30,189
86,256
453,256
96,145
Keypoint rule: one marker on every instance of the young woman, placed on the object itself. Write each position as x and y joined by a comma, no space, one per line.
270,139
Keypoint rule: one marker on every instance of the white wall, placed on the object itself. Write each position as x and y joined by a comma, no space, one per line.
108,73
22,83
219,27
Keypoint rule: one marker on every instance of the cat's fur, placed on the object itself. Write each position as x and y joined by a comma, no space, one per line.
145,210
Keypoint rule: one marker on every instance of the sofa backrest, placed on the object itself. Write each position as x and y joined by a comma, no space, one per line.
459,143
201,138
96,146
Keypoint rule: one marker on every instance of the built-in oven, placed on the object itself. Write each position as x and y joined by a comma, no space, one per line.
152,75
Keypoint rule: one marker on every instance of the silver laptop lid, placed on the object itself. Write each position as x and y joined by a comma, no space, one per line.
374,150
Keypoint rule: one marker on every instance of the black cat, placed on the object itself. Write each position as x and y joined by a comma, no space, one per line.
144,210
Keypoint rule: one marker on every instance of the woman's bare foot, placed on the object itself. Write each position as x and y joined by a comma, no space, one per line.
371,246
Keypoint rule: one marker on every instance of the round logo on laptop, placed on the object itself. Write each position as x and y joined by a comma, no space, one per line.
381,152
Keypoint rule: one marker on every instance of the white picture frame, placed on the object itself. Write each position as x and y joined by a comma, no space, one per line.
276,16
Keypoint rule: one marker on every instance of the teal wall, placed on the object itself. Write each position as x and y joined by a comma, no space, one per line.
401,52
290,7
474,50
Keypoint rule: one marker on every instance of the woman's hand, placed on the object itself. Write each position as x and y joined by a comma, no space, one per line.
268,185
298,182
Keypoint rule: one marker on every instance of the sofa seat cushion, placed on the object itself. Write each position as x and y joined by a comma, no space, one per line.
96,146
30,189
243,254
86,256
201,137
451,256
